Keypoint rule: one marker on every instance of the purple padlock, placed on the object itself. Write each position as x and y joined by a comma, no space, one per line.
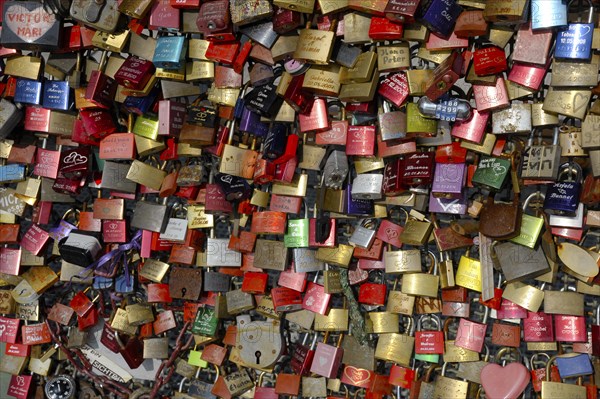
357,207
250,123
454,206
449,180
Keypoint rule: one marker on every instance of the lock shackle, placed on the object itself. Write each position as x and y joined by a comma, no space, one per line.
598,315
357,392
549,366
181,384
434,318
72,212
429,372
486,357
446,328
537,194
342,109
410,326
433,269
507,350
534,359
580,9
444,367
572,167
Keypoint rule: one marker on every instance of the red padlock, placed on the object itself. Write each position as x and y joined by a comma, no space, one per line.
489,60
384,29
255,282
429,342
372,293
538,327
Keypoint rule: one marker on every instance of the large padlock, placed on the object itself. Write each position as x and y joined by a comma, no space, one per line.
259,342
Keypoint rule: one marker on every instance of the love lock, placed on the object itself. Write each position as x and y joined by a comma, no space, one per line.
259,342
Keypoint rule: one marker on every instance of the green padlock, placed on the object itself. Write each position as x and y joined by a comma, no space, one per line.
206,322
491,172
195,358
297,232
531,226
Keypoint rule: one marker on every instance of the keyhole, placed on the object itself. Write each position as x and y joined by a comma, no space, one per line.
257,354
183,291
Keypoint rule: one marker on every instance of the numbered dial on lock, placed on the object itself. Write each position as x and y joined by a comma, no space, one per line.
259,342
60,387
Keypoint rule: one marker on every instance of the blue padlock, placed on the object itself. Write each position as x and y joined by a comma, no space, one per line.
439,16
574,365
170,52
56,95
562,197
28,91
358,207
575,42
141,105
12,173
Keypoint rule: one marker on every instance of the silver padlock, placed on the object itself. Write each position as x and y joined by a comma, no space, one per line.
364,234
305,260
367,186
259,342
548,14
10,116
575,222
335,170
516,119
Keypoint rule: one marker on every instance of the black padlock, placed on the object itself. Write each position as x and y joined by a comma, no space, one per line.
80,247
275,142
264,100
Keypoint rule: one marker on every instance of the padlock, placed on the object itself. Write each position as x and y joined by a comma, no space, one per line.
490,371
445,385
445,109
416,126
550,14
335,170
440,17
541,162
149,215
491,98
397,347
575,42
562,198
550,388
32,27
444,76
539,374
101,88
422,284
429,344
